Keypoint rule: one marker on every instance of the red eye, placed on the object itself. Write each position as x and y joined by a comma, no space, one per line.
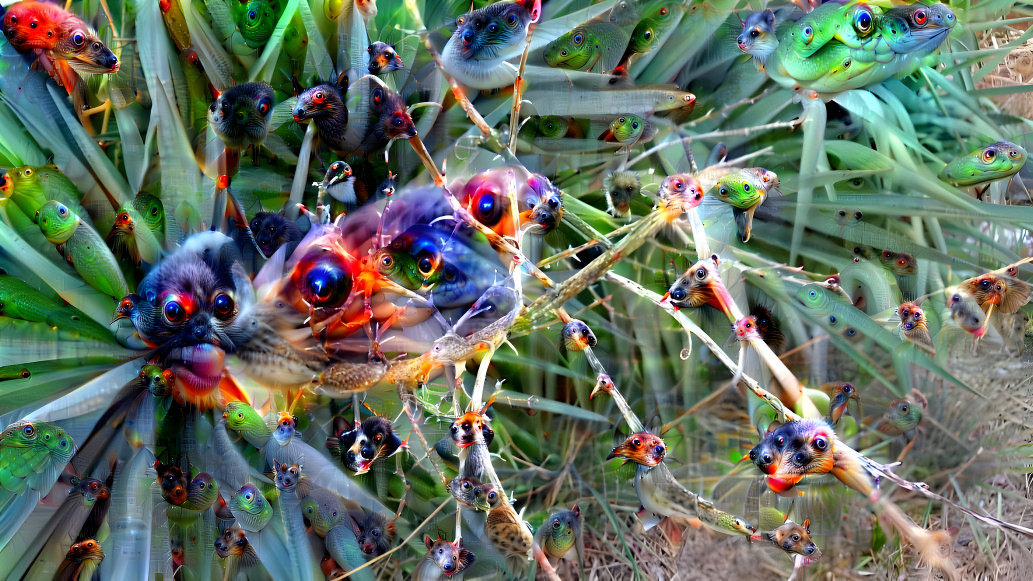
378,96
319,98
663,11
919,17
263,107
901,262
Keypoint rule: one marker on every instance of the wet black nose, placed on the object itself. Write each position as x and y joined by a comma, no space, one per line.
448,567
468,36
810,549
111,61
367,452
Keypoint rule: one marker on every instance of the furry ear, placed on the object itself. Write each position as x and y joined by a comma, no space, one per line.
769,17
576,510
465,556
342,82
427,541
298,89
807,526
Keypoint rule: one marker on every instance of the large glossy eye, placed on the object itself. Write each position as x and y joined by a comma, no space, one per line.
723,191
377,96
249,496
850,332
678,294
461,20
863,21
319,97
578,39
701,273
27,172
326,286
984,284
647,34
487,210
28,430
821,443
754,33
636,443
800,458
398,120
174,312
78,39
492,496
832,319
780,441
493,27
556,524
511,19
426,265
263,106
252,15
989,155
858,215
812,294
621,120
808,33
904,408
62,210
634,125
746,187
387,261
920,17
466,485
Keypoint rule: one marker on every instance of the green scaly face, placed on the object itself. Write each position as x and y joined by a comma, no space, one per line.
413,259
993,162
323,516
242,418
552,126
916,28
57,222
578,50
202,492
257,22
250,508
151,211
852,25
628,129
739,190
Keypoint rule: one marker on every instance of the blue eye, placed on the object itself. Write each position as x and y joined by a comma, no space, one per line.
493,27
746,187
832,319
578,39
678,294
174,312
326,285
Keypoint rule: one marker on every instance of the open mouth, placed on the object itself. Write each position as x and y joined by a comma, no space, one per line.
198,370
782,483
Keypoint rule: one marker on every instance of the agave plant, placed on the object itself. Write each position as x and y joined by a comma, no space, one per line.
474,253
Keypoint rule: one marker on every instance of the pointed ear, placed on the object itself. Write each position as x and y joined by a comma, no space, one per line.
342,82
576,510
807,525
298,89
458,543
769,17
355,526
427,541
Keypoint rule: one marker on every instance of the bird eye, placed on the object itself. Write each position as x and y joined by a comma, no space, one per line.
578,39
723,191
263,107
989,155
857,215
634,125
848,388
461,20
746,187
493,27
62,210
492,496
174,312
808,32
701,273
621,120
78,39
397,120
821,443
984,284
28,430
511,19
248,496
556,524
426,265
24,373
904,409
648,34
832,319
920,17
636,443
754,33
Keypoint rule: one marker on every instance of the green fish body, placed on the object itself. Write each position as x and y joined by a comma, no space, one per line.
83,248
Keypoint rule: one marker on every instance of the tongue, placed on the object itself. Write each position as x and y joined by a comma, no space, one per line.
204,360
